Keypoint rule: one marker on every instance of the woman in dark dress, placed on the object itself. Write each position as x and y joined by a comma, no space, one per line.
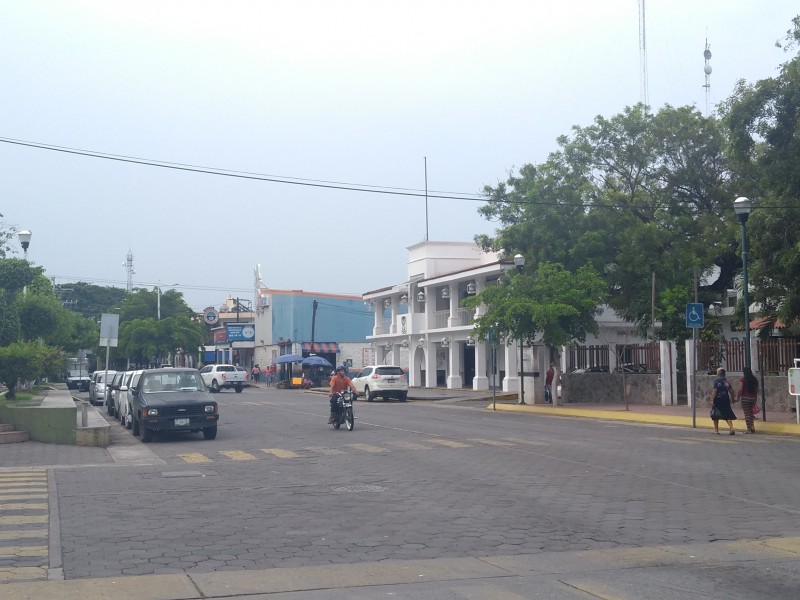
748,394
721,396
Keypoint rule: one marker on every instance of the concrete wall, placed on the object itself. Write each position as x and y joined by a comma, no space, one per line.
606,388
51,421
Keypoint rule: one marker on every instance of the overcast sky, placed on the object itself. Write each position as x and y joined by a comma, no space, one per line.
356,92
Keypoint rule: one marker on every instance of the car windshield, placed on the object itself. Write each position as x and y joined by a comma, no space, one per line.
173,381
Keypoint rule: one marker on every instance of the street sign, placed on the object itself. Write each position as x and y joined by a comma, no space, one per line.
109,330
694,315
794,382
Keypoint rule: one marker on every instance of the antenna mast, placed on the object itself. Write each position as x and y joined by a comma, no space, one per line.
128,264
707,70
643,57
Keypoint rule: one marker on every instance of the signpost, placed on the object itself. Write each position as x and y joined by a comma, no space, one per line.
695,318
109,336
493,343
794,386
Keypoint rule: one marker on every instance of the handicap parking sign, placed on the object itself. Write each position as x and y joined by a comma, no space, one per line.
694,315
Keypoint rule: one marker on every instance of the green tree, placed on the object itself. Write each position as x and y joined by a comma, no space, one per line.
763,120
26,361
636,194
91,301
144,338
7,233
554,304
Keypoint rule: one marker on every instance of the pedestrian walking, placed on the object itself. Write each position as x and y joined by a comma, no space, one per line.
269,375
748,394
548,384
256,373
721,395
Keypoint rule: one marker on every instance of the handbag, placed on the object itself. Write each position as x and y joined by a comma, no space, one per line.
716,414
756,409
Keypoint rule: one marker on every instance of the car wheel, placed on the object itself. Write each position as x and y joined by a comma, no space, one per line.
214,386
403,396
368,395
210,433
147,435
238,389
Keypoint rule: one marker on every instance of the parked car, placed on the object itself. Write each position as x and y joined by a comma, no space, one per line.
97,386
174,399
111,388
217,377
386,381
122,397
599,369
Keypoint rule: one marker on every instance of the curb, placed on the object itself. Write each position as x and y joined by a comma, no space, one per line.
702,422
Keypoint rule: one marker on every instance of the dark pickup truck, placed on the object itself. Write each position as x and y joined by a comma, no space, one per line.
173,399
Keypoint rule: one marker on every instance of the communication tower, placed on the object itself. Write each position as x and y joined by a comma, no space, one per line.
128,264
643,57
707,70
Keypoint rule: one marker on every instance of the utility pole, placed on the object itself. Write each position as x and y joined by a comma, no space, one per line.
314,305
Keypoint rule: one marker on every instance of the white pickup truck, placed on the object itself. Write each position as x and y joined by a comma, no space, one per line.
217,377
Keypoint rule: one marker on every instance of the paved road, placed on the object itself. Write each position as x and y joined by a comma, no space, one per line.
439,500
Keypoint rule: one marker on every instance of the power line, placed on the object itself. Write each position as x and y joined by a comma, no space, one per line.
352,187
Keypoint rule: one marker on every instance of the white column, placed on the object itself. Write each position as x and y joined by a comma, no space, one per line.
453,319
481,379
430,364
691,372
511,353
669,373
455,379
377,309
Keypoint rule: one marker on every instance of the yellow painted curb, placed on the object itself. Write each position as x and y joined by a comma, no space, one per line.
702,420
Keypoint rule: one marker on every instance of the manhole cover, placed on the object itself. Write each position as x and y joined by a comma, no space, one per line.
359,488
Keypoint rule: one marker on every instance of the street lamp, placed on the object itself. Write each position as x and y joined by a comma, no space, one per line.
742,206
25,241
158,301
519,263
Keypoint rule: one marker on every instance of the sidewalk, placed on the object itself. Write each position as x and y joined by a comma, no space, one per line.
679,415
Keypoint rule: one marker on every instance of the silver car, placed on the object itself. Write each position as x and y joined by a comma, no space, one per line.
97,386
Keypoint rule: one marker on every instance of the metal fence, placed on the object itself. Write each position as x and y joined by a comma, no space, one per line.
774,356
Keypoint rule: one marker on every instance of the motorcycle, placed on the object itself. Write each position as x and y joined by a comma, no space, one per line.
344,410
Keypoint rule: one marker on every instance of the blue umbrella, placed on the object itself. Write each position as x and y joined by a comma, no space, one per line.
316,361
288,358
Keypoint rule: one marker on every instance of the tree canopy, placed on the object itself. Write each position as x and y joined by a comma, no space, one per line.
763,120
551,303
629,196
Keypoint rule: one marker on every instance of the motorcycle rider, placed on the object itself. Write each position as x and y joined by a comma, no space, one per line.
339,383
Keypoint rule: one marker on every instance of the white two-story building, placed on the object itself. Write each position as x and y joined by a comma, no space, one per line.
420,324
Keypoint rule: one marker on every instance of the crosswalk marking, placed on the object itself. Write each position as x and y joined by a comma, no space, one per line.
325,451
24,532
21,484
22,551
237,455
23,520
19,534
367,448
448,443
529,442
22,495
491,442
410,446
23,506
278,452
195,457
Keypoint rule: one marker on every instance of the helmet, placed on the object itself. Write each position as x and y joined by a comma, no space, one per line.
341,368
